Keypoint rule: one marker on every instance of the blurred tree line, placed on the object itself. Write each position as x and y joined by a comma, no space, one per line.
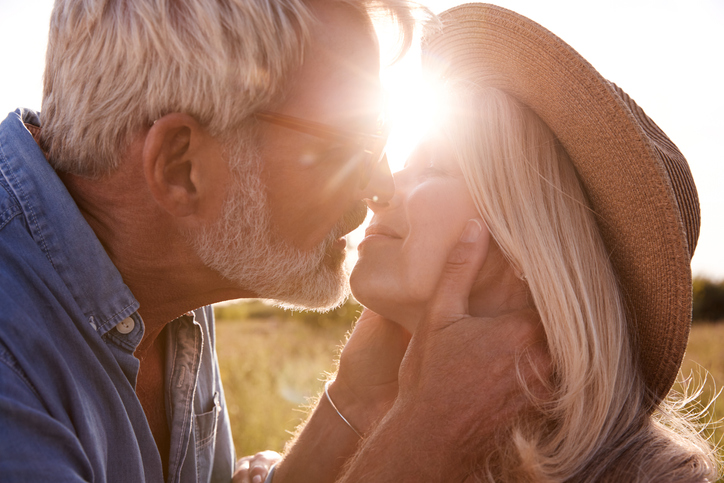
708,306
708,300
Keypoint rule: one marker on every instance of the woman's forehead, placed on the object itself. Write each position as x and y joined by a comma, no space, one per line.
434,149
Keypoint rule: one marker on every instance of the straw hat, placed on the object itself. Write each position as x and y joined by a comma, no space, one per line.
637,181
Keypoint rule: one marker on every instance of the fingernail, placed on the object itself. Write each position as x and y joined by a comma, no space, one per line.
471,232
256,479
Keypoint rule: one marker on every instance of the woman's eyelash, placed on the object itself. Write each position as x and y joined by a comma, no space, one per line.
431,171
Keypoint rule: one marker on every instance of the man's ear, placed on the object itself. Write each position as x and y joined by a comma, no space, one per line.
177,152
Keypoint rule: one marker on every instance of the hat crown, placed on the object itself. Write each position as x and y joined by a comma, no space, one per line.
677,171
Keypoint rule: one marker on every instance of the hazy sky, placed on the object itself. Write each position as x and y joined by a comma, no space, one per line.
668,55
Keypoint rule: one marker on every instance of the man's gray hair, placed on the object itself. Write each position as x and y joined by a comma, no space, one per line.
114,66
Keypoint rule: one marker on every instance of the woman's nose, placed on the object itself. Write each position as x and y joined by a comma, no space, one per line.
381,187
396,200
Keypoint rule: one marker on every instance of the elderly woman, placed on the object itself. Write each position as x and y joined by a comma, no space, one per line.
592,216
589,218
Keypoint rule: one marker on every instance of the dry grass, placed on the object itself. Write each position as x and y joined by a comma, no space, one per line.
272,367
704,366
270,370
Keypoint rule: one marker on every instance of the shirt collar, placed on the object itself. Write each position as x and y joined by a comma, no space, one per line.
59,229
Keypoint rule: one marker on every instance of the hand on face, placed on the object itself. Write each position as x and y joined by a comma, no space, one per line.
414,270
459,373
459,376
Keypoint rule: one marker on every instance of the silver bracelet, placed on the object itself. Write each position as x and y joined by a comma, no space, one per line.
326,392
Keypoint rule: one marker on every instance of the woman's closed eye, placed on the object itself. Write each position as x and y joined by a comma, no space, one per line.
433,171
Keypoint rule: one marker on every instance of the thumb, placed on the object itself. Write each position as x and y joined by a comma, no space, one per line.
450,301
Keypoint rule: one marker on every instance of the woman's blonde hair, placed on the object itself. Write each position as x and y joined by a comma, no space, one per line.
113,67
598,425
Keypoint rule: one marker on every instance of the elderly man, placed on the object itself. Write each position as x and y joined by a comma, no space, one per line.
187,153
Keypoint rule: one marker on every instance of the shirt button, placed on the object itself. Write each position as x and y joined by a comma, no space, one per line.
126,325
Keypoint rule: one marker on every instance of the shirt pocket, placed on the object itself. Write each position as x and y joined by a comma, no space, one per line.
205,425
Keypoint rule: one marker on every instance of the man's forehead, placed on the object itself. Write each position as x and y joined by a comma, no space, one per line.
339,78
342,26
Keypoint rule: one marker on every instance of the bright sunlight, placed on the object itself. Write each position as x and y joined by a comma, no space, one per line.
412,101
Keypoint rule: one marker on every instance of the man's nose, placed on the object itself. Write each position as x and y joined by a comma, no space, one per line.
381,187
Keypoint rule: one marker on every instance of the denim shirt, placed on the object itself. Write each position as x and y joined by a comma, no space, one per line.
68,330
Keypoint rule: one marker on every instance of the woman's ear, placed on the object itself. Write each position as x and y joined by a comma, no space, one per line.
180,160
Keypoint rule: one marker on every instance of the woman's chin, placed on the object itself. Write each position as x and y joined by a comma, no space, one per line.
387,309
361,286
380,299
364,296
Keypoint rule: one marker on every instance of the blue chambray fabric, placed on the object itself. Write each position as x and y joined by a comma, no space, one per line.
68,407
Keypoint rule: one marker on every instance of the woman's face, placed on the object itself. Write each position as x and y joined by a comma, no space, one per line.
408,240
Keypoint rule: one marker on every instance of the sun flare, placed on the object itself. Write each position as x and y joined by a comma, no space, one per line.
413,103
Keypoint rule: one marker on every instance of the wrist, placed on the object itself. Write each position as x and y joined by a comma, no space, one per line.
325,440
401,436
362,413
329,400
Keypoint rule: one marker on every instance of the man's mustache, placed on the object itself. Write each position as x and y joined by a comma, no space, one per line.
351,220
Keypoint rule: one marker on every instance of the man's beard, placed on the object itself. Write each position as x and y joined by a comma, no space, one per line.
243,246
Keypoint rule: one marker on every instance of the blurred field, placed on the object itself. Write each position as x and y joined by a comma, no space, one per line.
705,353
272,365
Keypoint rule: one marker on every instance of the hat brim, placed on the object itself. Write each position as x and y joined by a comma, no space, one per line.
627,165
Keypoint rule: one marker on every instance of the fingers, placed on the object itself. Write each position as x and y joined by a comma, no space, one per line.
255,469
250,474
258,473
450,302
241,475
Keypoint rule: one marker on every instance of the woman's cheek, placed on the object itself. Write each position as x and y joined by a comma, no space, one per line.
427,255
426,261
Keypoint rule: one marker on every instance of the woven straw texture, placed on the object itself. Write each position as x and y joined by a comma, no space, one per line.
637,181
